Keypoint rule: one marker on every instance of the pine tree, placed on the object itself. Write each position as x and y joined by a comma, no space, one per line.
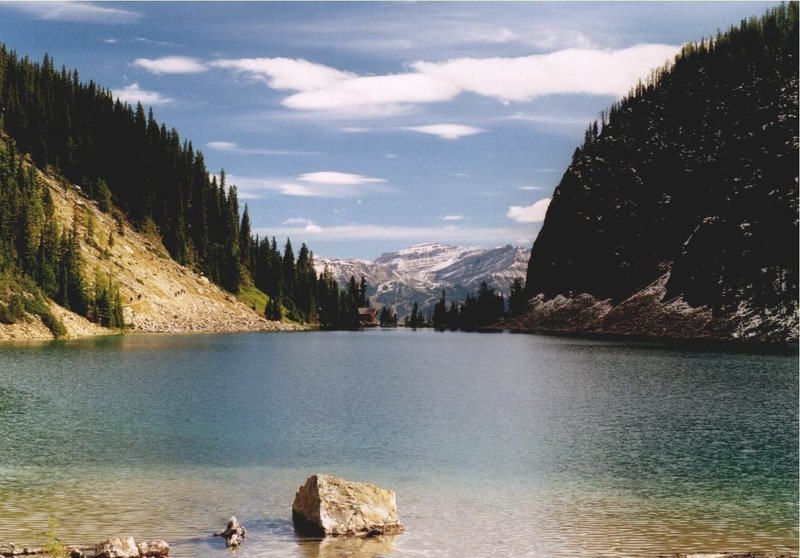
440,313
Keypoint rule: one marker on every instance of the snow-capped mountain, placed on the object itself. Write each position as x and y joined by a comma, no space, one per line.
419,273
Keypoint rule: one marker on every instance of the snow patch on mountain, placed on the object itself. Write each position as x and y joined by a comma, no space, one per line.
420,273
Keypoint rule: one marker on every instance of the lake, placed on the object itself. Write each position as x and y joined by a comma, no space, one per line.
496,444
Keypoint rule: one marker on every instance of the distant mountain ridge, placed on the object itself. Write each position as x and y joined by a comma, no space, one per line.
420,272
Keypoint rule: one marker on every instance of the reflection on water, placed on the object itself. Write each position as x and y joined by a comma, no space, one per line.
347,547
506,445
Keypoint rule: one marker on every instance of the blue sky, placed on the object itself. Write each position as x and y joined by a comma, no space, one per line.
360,127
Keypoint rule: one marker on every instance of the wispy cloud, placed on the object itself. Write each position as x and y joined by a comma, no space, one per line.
531,187
116,40
285,73
447,131
153,42
445,28
230,147
337,178
548,119
323,184
133,93
453,218
171,65
444,131
533,213
307,224
75,12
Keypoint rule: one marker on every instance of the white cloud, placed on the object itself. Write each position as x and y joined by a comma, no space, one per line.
75,12
315,184
531,187
297,221
452,218
222,146
533,213
307,224
337,178
132,94
545,119
388,91
570,71
447,131
171,65
152,42
230,147
285,73
508,79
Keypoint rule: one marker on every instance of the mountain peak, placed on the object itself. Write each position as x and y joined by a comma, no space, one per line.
420,272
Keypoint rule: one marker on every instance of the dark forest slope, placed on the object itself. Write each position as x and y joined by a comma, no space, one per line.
686,193
136,170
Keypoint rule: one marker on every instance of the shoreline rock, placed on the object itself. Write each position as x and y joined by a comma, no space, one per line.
115,547
331,506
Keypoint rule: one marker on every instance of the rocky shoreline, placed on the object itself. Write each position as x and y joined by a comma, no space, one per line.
116,547
126,547
650,315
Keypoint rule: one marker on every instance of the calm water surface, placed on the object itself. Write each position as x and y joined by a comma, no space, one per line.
497,444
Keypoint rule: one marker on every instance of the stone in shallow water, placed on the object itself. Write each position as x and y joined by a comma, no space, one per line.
117,548
155,549
233,534
327,505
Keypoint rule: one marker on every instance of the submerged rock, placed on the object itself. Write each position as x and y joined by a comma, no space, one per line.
233,534
327,505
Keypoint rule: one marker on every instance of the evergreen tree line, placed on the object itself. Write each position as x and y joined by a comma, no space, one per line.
294,289
486,309
695,172
122,157
33,247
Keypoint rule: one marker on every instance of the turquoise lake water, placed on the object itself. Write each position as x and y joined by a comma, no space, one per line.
496,444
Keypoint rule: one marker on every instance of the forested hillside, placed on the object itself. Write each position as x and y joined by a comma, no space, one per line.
691,182
139,171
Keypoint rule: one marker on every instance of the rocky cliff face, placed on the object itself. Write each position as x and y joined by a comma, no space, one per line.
686,195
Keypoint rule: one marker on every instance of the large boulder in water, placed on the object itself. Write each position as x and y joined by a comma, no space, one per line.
327,505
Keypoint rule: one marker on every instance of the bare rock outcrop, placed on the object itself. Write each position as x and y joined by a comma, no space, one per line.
327,505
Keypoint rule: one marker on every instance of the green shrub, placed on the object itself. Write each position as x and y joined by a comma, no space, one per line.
49,541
